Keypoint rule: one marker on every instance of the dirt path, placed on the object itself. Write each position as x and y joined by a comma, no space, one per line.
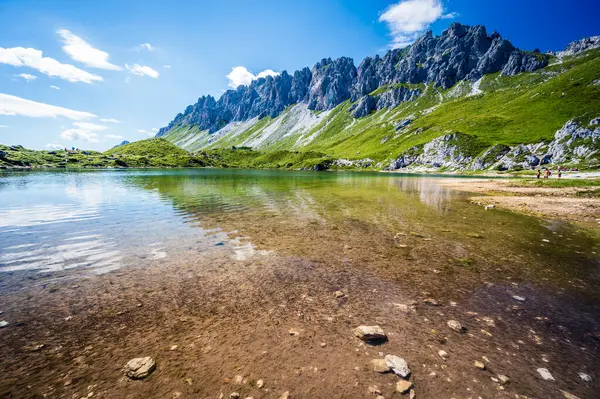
547,202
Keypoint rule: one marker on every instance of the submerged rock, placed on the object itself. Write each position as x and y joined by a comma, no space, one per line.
398,365
455,325
380,366
545,374
479,365
140,367
3,323
370,333
403,386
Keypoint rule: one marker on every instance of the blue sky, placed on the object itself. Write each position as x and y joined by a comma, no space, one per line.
93,73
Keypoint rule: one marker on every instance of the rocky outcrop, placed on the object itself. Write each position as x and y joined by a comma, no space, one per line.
396,96
461,52
572,144
331,82
364,106
580,46
388,99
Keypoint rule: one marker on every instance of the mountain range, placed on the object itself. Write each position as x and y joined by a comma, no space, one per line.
463,100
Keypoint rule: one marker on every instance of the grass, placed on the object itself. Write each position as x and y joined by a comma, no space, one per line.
557,183
160,153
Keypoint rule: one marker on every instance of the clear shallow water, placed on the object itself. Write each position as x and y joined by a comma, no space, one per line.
99,221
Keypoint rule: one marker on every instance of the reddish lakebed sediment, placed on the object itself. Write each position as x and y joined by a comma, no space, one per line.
278,299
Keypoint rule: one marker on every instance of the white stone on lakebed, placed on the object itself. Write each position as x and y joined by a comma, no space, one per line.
398,365
545,374
140,367
370,333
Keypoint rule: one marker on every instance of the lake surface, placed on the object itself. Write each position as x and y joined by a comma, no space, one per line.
265,273
98,221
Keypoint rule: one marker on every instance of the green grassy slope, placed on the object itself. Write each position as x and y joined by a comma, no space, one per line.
157,147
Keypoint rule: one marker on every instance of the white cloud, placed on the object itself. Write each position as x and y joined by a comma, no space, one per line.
408,19
167,66
84,131
242,76
154,129
12,105
127,79
109,120
146,46
54,87
89,126
113,136
150,133
54,146
3,126
27,76
79,135
30,57
141,70
81,51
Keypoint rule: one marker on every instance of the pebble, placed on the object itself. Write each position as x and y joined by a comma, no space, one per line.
323,344
140,367
519,298
431,301
545,374
293,331
370,333
403,386
173,348
339,294
585,377
479,365
234,395
379,397
569,395
455,325
33,348
3,323
503,379
238,379
380,365
374,389
260,384
412,394
398,365
443,354
404,308
285,395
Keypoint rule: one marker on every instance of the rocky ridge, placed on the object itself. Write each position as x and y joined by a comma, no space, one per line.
460,53
571,143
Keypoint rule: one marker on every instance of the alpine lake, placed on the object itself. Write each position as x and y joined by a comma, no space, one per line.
226,277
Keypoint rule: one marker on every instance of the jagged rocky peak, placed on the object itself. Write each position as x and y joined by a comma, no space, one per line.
460,52
331,83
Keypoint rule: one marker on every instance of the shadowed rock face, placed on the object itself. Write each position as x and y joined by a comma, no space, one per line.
461,52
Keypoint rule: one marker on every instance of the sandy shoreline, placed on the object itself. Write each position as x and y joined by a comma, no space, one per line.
546,202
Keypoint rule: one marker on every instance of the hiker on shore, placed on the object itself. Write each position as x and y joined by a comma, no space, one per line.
547,173
559,172
538,174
